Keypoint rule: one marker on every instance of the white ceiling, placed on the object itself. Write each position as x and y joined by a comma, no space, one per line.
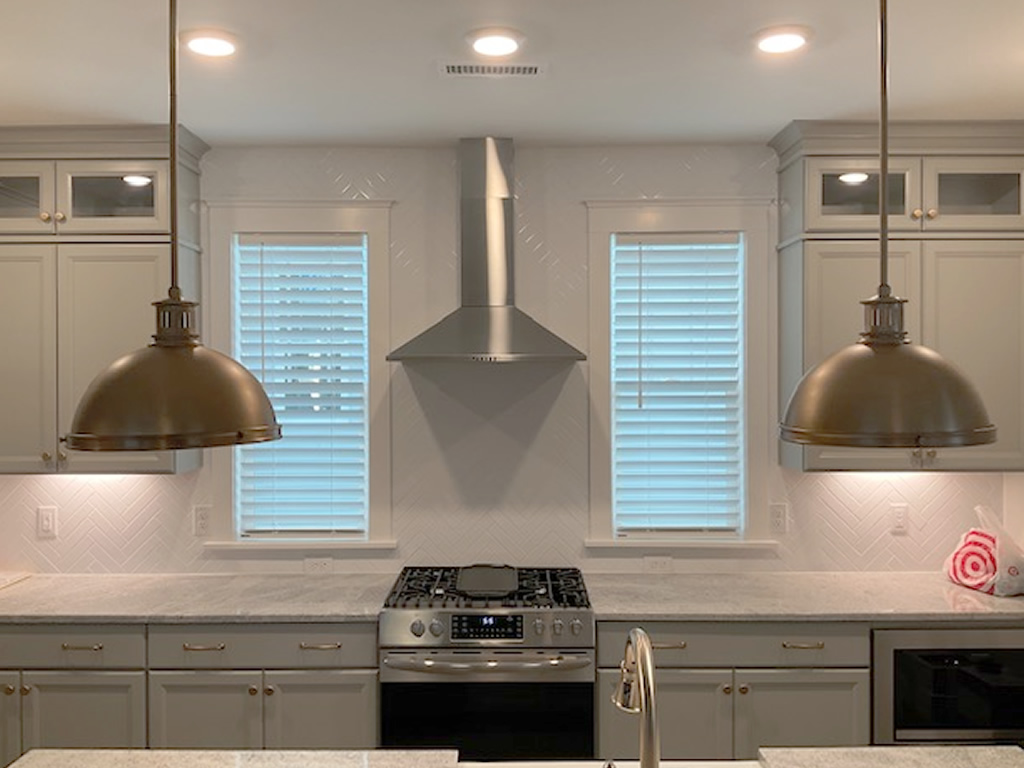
642,71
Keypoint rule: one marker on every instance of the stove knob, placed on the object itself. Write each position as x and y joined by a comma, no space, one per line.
557,626
576,626
538,626
417,628
436,628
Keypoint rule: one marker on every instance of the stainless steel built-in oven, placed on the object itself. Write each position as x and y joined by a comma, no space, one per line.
948,685
494,661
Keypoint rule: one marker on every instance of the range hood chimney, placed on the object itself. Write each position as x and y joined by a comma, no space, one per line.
487,327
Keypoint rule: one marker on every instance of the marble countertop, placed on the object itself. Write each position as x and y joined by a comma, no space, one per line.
886,757
878,598
188,758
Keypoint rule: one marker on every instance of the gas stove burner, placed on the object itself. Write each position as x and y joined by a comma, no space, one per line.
488,586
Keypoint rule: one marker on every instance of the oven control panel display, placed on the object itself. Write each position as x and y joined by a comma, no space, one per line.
485,626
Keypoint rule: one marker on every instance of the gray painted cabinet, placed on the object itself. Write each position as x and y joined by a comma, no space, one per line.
10,718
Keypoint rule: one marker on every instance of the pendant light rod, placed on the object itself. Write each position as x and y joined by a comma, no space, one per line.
172,98
883,149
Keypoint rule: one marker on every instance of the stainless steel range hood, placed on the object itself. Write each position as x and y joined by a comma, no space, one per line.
487,327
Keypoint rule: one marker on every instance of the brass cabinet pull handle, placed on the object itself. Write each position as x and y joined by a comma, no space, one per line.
804,646
58,216
253,690
26,690
320,646
669,646
9,690
190,647
932,213
45,216
726,689
916,214
68,647
744,689
269,690
45,456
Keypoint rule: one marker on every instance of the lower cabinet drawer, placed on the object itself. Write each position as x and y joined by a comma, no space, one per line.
263,646
73,646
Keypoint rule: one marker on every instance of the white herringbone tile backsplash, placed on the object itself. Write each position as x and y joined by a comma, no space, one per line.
493,467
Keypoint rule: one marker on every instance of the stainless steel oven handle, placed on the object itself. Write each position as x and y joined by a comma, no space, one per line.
455,667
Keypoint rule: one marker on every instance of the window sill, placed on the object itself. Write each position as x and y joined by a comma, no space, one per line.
751,548
308,545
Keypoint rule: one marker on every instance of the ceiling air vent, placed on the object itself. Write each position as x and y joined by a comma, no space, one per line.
493,70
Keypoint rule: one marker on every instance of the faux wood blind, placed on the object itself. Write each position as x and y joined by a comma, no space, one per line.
677,383
300,320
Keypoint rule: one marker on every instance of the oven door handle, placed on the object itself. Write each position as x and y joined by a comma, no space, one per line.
459,667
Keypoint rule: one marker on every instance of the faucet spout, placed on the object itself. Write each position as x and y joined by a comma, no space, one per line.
635,693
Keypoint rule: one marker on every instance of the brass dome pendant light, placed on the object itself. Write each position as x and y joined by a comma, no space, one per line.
175,393
883,391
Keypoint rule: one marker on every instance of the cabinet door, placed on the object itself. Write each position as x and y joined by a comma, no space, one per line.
105,295
823,283
28,368
324,709
694,716
10,718
800,708
112,196
842,194
974,317
980,193
205,710
86,710
26,197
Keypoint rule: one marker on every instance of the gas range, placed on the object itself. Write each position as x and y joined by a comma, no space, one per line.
487,606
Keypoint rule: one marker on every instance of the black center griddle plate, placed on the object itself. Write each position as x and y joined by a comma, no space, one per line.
487,580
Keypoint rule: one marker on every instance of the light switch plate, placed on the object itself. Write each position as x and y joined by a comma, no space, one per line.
46,522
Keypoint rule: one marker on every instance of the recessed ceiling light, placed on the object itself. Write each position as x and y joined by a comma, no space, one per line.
495,41
783,39
853,177
210,42
137,181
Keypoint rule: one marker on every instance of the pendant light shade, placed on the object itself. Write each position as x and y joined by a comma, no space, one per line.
882,391
175,393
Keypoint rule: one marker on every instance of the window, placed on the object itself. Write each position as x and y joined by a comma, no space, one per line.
678,367
305,311
300,304
677,382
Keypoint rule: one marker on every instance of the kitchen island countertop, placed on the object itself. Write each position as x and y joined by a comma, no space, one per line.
189,758
878,598
886,757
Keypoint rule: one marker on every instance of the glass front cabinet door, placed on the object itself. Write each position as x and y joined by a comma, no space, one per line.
84,196
972,193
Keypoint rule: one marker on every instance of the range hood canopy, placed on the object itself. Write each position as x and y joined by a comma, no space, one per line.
487,327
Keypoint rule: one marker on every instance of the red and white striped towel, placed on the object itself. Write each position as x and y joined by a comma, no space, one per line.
987,559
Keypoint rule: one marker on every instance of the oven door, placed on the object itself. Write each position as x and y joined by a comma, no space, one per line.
949,686
490,705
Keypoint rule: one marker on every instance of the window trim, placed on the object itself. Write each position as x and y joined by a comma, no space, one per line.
754,218
370,217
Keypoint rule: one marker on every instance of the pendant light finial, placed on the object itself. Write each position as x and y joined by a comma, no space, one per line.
883,391
175,393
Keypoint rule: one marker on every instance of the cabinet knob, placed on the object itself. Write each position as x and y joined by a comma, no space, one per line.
45,216
58,217
26,690
61,456
9,690
726,689
932,213
45,456
744,689
254,690
269,690
916,214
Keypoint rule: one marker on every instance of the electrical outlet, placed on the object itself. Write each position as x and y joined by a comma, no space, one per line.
201,520
46,522
898,513
779,514
658,565
319,564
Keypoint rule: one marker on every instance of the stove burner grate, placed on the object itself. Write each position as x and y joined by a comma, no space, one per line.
437,587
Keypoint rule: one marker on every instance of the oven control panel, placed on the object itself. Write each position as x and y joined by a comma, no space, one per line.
418,628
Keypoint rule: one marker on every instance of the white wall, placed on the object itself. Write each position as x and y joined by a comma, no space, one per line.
491,466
